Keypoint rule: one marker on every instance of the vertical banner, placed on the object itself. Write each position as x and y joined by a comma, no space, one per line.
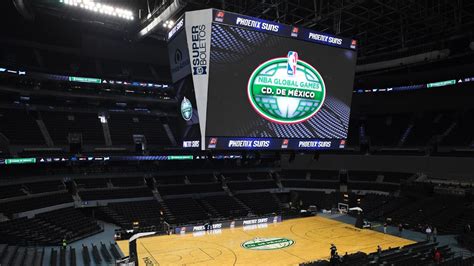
198,37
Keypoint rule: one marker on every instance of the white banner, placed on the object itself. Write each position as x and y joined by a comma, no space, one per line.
198,36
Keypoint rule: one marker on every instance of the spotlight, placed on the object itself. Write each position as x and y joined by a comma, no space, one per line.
168,24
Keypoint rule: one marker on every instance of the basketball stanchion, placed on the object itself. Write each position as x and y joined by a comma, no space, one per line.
132,259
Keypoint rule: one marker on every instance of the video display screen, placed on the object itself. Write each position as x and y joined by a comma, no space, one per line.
264,87
247,83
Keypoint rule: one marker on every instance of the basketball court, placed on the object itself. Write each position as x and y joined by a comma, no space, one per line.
287,243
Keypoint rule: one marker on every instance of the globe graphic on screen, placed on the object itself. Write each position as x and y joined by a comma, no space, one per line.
286,94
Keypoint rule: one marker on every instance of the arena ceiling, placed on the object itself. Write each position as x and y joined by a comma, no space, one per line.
384,28
380,26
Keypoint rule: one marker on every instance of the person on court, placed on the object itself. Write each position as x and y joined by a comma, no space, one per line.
400,229
333,250
428,233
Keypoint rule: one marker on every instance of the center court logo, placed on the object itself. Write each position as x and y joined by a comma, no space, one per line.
286,90
267,243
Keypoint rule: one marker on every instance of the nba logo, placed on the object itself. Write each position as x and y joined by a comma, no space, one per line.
294,32
284,144
292,63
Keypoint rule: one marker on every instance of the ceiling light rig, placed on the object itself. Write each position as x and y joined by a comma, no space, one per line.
100,8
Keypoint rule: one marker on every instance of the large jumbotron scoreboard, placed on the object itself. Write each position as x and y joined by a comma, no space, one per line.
246,83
